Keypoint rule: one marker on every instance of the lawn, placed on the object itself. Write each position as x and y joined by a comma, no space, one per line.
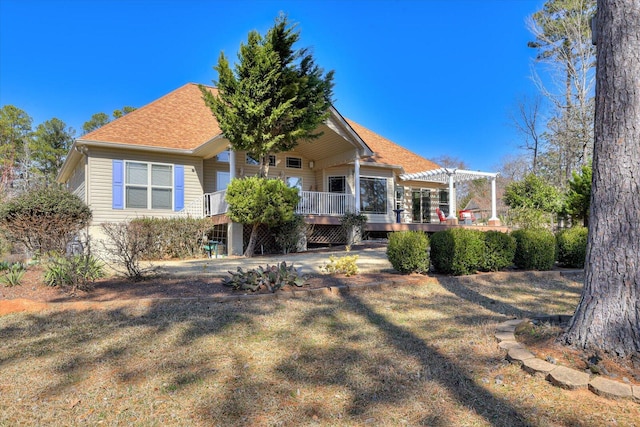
419,354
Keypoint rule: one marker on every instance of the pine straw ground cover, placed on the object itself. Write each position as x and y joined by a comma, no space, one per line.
419,354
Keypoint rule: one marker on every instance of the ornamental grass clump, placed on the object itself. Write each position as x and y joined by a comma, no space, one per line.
535,249
572,247
408,252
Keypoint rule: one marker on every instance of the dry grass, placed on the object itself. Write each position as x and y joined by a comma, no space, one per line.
413,355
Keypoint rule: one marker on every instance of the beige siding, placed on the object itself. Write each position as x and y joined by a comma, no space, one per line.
77,181
100,182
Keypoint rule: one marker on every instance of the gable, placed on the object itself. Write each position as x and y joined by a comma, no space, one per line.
179,120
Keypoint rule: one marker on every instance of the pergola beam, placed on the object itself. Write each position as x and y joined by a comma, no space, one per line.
451,176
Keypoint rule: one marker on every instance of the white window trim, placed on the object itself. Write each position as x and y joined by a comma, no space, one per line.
296,177
247,156
149,186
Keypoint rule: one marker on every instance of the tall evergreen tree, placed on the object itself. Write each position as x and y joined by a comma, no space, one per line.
275,96
608,315
50,144
15,132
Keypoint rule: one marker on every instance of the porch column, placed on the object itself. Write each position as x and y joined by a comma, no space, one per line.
356,179
494,221
234,229
452,218
232,164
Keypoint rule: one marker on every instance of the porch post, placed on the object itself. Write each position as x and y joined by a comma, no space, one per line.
234,229
356,178
494,221
232,164
452,218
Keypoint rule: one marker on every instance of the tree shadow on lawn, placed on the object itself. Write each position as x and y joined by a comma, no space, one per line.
308,367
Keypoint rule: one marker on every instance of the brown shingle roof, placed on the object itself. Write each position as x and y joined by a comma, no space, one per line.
388,152
182,120
178,120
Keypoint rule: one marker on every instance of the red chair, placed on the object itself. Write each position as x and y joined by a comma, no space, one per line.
441,216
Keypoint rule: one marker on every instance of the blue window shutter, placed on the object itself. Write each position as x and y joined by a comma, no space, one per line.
118,184
178,184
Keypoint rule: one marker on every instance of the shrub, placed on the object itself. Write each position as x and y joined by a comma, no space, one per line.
126,245
290,234
535,249
572,247
44,220
78,272
457,251
271,278
13,274
408,252
499,251
172,237
343,265
352,225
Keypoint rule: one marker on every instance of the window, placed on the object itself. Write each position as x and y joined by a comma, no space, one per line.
294,182
148,185
223,157
444,201
373,195
337,184
294,162
399,197
250,160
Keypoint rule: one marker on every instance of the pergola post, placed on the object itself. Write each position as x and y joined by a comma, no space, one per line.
493,221
452,218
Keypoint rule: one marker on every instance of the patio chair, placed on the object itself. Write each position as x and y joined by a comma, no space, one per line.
441,216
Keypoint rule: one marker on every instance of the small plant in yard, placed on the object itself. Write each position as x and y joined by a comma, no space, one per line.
408,252
352,225
272,278
535,249
572,247
342,265
126,245
13,274
77,272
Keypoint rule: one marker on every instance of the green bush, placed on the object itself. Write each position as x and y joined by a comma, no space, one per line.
535,249
44,220
500,249
408,251
572,247
74,273
172,237
12,274
352,225
457,251
289,234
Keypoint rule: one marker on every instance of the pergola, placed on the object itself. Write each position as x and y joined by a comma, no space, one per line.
452,176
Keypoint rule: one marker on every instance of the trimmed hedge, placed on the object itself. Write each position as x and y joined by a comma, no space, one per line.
499,252
535,249
572,247
408,251
457,251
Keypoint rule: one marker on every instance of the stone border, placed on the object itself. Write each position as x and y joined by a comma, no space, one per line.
560,376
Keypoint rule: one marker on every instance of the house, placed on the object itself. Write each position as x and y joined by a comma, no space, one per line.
170,158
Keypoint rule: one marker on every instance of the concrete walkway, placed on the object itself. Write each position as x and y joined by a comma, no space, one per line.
371,258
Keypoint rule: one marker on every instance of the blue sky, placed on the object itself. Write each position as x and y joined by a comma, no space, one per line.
436,76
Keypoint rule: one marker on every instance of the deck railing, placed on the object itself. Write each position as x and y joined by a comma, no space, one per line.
319,203
311,203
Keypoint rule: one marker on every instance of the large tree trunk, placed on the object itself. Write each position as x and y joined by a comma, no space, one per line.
608,316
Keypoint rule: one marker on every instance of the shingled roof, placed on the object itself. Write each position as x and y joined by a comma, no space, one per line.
387,152
179,120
